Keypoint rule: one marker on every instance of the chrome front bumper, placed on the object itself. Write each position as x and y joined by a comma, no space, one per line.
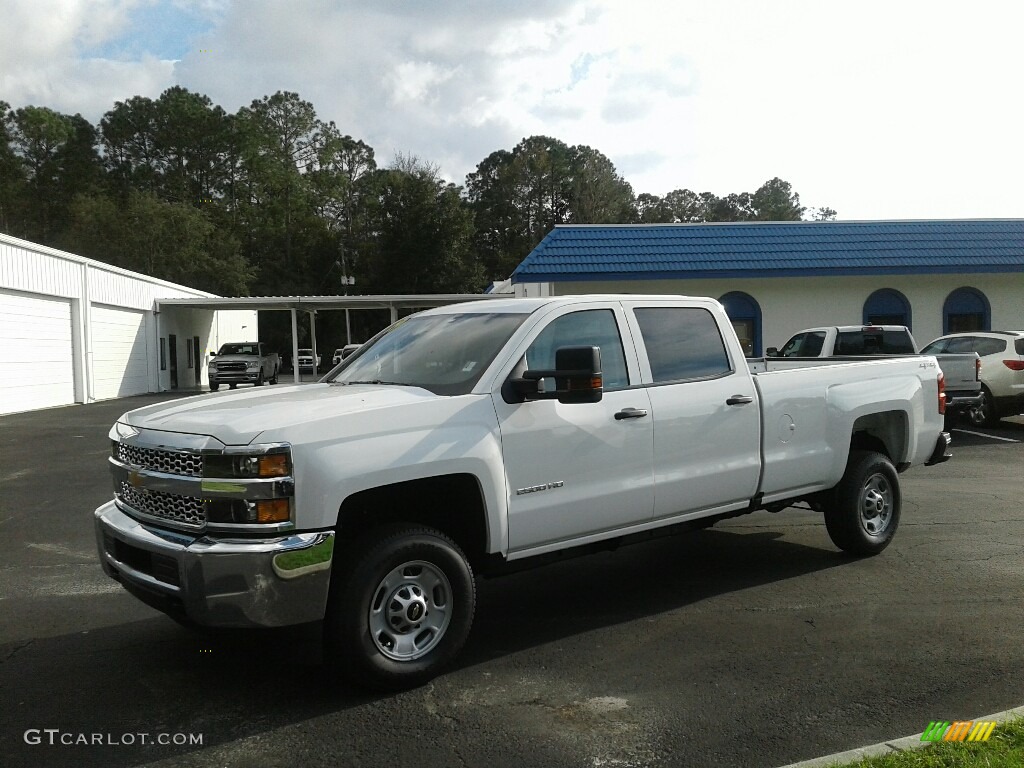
222,582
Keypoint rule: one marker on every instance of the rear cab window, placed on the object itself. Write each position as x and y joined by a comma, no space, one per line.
874,342
682,343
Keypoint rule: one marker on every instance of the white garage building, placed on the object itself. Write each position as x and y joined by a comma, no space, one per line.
74,330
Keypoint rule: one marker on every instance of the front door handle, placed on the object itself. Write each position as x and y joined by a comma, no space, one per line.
630,413
739,400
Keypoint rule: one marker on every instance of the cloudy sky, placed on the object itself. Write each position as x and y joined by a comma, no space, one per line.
881,109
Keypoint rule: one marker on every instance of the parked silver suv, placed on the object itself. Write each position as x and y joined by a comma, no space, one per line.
1002,368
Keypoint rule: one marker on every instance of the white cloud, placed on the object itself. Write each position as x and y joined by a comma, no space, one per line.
879,109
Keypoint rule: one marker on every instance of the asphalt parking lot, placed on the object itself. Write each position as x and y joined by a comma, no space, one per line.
755,643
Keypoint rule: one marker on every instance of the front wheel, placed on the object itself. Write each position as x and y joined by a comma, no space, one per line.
864,511
214,386
259,380
401,611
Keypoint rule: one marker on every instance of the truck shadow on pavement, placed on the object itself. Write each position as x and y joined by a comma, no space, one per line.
153,676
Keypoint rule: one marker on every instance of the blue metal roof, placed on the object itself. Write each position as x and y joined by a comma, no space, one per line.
774,249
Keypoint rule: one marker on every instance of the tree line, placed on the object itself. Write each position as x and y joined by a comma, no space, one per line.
272,200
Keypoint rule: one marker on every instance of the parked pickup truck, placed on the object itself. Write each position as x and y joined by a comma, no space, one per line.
305,360
473,439
243,363
961,371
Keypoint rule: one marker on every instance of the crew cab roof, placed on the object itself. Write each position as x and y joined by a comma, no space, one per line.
528,306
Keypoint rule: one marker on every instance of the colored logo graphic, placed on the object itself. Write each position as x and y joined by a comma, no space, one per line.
959,730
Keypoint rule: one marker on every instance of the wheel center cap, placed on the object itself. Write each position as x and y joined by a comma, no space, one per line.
415,611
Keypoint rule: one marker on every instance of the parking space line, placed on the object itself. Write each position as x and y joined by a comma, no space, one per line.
982,434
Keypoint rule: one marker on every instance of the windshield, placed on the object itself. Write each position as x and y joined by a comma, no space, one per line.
238,349
446,354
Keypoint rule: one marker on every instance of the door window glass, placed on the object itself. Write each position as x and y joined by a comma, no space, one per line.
682,343
984,346
588,328
804,345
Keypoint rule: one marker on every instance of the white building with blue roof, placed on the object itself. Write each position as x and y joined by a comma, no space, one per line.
776,278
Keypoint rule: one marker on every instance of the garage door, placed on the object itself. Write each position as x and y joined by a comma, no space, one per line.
36,358
119,361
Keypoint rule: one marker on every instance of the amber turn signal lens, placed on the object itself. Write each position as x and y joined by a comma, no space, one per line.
274,465
272,511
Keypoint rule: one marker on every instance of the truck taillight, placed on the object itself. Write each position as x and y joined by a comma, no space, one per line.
977,369
942,394
1014,365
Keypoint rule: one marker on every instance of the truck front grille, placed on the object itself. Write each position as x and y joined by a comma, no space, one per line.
183,511
171,462
231,367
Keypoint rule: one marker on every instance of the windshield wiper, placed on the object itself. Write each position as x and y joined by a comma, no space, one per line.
377,381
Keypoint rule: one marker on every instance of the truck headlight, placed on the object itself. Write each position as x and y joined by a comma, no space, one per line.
262,465
253,365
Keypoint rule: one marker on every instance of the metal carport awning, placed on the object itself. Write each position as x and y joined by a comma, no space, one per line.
310,305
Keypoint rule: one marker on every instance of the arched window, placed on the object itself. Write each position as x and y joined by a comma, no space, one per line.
887,306
966,309
745,314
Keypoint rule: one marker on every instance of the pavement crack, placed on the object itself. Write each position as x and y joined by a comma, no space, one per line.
16,649
430,704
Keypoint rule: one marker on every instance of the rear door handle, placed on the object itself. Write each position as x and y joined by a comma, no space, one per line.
739,400
630,413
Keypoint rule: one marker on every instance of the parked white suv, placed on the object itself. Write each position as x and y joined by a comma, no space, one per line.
1002,368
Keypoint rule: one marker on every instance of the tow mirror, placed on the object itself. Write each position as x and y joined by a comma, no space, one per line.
772,352
576,378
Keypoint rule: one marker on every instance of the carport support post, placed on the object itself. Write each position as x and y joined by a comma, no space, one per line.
394,314
348,328
295,346
312,337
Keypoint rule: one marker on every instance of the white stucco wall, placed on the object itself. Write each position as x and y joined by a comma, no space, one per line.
789,304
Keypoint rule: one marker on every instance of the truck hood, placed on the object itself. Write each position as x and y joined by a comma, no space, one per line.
222,358
238,418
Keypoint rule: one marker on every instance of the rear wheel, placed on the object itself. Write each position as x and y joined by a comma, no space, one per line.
402,612
864,512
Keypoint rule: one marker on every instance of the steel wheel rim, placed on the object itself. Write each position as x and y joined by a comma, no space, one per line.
410,610
876,504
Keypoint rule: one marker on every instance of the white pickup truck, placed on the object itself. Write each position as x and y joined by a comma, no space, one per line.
962,371
475,438
248,362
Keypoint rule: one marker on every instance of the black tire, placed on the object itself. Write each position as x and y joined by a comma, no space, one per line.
989,413
864,512
214,387
259,380
232,386
273,379
384,587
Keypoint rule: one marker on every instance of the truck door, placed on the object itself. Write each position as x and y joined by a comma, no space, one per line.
707,429
584,468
